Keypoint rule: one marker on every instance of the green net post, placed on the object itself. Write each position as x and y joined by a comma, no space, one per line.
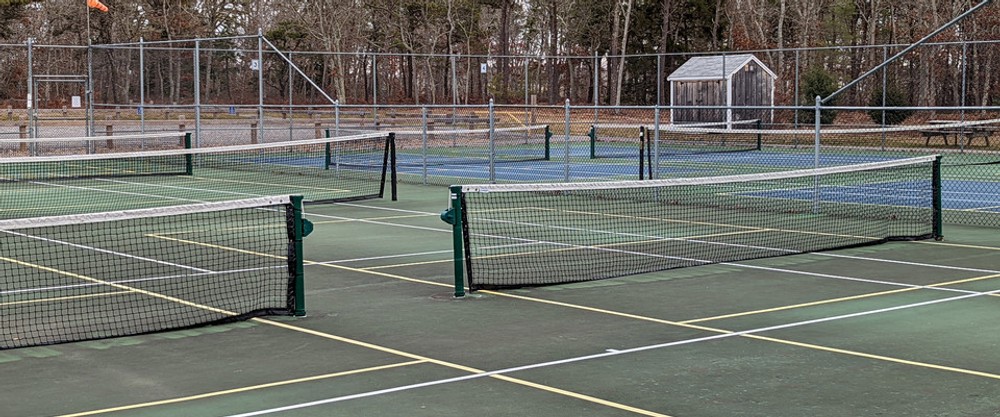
592,134
188,158
327,155
300,228
393,178
548,143
643,150
453,216
759,125
936,197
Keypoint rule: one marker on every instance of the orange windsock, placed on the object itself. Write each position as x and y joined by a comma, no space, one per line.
96,4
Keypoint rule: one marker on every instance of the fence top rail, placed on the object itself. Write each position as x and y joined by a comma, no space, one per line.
177,134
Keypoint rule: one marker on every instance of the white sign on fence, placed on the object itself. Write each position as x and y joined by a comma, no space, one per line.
76,103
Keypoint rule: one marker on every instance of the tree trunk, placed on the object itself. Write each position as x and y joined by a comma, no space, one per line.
504,62
621,67
553,51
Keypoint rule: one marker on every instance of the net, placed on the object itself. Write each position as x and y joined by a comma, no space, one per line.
628,140
777,150
475,146
538,234
100,275
94,144
322,170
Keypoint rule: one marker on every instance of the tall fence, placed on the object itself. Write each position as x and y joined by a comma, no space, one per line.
243,90
221,72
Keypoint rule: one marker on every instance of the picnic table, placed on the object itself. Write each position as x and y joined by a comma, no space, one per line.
969,132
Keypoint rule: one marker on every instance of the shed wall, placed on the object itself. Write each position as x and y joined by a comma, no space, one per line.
751,87
698,93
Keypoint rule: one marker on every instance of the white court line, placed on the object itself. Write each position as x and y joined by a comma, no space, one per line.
106,251
605,354
377,258
139,280
737,265
908,263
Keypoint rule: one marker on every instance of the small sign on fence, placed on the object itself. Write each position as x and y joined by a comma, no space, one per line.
75,102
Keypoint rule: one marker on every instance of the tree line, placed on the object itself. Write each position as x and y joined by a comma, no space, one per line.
612,52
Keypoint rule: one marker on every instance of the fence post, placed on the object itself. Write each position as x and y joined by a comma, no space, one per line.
253,133
336,118
182,128
491,119
534,108
427,126
566,148
109,131
22,133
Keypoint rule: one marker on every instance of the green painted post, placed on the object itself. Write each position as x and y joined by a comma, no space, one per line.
327,155
454,217
760,139
548,143
936,196
188,158
296,265
394,180
592,134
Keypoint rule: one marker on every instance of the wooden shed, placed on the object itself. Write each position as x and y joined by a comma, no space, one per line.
722,80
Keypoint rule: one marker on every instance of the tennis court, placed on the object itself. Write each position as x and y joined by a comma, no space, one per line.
902,328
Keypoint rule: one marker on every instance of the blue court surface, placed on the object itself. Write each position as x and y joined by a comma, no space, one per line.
985,198
776,159
964,195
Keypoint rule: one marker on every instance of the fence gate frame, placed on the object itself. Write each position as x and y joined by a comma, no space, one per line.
34,115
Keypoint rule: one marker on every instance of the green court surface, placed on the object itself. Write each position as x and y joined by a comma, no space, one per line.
899,329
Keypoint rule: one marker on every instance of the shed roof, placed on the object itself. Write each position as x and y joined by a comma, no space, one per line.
718,67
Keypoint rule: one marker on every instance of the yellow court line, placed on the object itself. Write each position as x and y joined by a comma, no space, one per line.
408,216
702,223
511,115
294,186
584,308
372,268
569,247
118,286
244,389
301,330
637,317
225,248
579,396
754,336
73,297
841,299
876,357
609,246
469,369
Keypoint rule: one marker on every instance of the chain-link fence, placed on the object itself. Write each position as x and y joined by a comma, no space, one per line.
243,90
